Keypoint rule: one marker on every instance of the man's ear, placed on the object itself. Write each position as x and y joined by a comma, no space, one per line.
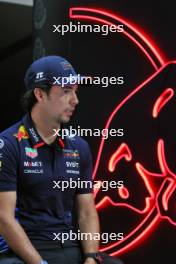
39,94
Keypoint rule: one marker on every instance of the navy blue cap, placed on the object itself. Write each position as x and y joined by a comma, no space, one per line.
49,70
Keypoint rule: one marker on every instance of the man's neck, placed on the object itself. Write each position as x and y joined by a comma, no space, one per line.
44,126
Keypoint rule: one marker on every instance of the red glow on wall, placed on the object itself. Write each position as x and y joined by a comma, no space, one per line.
165,193
136,35
119,106
163,99
123,192
151,203
150,226
152,215
156,204
122,152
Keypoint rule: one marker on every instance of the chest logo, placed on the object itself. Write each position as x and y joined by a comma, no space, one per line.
22,133
69,153
30,152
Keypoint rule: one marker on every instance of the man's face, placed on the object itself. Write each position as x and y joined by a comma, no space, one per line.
60,103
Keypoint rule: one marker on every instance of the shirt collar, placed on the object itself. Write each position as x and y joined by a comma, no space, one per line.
36,140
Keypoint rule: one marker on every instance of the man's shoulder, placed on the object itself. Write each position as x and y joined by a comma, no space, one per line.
9,136
80,145
77,141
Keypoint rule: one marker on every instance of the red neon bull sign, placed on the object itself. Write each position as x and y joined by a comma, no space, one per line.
142,159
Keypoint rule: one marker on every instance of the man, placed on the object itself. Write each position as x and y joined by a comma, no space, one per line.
33,161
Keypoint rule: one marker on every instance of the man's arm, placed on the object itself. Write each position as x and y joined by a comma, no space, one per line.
88,223
12,231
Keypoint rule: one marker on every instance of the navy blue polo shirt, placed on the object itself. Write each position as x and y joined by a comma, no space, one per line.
36,172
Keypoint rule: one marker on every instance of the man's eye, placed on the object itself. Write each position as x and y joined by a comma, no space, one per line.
66,91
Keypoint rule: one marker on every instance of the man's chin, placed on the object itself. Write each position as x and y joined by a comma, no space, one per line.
65,120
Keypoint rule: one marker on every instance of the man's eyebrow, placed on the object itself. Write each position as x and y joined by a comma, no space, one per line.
70,87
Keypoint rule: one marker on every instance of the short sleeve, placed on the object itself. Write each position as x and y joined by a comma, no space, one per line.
86,180
8,166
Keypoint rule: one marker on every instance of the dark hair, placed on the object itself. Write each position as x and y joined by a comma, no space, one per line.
28,99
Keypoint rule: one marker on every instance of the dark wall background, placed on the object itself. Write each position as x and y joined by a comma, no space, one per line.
15,55
92,54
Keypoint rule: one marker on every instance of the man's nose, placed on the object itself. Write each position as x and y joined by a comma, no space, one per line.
74,100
